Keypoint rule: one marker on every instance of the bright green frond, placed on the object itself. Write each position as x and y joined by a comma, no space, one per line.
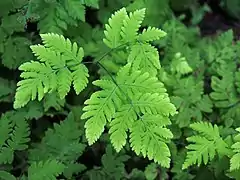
46,55
145,57
235,159
112,33
205,145
80,78
71,52
59,67
202,151
131,25
37,81
149,138
100,108
134,94
206,129
153,104
123,119
235,162
151,34
64,82
138,81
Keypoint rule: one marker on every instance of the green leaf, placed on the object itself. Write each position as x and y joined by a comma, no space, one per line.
4,175
151,34
131,24
112,33
49,169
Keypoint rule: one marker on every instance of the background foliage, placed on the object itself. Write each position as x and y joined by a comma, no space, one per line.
195,57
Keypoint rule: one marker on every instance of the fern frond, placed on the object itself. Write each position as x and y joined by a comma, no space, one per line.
4,175
131,24
20,135
38,79
180,65
75,9
113,163
202,151
135,81
16,49
153,104
100,109
149,138
131,86
49,169
225,93
57,43
125,32
234,162
112,166
59,66
46,55
80,78
206,129
64,82
144,57
206,145
235,159
61,143
14,135
151,34
112,33
123,119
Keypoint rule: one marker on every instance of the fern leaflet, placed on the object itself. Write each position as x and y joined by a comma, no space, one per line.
58,67
206,144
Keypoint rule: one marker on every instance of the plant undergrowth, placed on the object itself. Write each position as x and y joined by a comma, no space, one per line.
110,89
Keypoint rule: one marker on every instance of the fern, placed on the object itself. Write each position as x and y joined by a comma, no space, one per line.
131,24
234,161
4,175
149,135
122,103
59,67
54,145
154,17
16,52
180,66
224,89
113,166
14,133
113,29
60,145
206,144
55,17
122,31
49,169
